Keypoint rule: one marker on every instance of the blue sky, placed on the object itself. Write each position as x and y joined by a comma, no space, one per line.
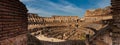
63,7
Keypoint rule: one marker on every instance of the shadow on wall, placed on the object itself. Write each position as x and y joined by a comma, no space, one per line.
34,41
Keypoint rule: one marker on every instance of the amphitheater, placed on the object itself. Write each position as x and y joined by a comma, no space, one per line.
63,28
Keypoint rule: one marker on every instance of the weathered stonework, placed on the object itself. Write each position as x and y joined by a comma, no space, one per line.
18,40
66,18
116,21
98,14
13,22
109,35
36,21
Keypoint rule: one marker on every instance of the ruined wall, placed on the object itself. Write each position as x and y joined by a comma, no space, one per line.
113,36
98,14
13,22
37,26
36,21
116,23
34,18
58,19
116,12
66,18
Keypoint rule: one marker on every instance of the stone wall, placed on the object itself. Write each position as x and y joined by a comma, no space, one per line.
116,23
116,12
66,18
98,14
36,21
35,17
112,35
13,22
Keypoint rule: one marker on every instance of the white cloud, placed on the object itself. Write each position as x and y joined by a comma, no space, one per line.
51,8
68,7
104,3
39,11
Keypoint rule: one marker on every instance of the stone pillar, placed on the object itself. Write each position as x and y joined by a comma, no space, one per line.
116,24
13,23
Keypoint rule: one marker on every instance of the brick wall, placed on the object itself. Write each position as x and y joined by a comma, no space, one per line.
13,21
116,17
116,11
98,14
35,21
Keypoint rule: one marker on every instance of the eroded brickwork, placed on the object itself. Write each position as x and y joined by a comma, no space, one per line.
36,21
116,24
110,36
13,22
98,14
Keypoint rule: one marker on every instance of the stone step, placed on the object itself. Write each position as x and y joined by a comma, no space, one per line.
116,36
116,31
114,43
